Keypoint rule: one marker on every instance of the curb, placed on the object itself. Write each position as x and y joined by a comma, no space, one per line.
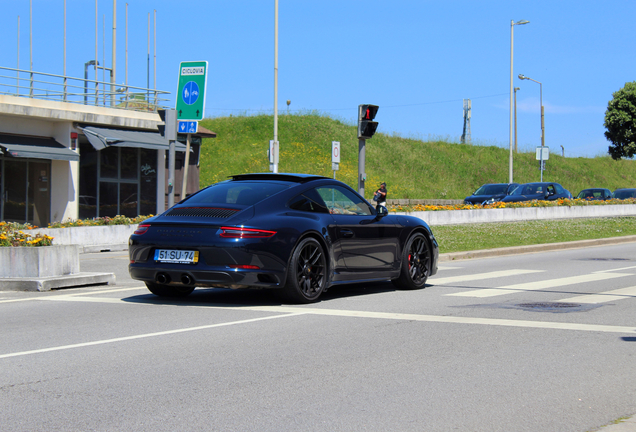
515,250
53,282
622,425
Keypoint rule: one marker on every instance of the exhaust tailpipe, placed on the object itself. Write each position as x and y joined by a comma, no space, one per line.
163,278
187,279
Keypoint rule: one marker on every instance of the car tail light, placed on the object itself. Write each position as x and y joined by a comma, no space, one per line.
141,229
239,232
244,267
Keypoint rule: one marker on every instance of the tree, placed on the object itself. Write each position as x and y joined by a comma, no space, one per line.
620,122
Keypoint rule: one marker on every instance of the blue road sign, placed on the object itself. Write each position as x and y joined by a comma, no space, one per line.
188,127
190,92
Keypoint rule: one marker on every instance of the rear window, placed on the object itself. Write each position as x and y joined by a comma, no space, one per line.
529,189
242,193
591,193
492,189
623,194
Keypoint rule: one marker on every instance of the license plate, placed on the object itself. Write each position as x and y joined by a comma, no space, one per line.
176,256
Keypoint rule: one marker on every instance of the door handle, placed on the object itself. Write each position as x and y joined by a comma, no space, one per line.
346,233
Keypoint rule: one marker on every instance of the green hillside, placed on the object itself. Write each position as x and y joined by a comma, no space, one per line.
411,168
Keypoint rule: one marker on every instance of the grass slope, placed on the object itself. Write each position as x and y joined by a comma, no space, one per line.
411,168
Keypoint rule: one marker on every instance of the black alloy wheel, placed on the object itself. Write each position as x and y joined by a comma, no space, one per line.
416,263
306,277
169,291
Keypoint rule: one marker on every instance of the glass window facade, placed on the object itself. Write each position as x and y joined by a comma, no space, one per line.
25,191
117,181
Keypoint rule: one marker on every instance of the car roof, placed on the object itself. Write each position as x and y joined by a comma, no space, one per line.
286,177
538,183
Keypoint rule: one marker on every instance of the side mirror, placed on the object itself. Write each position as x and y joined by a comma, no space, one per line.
381,212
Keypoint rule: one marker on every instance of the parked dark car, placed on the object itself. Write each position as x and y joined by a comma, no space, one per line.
490,192
625,193
595,194
297,233
538,191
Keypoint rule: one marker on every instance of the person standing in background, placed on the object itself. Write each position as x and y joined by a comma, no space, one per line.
382,199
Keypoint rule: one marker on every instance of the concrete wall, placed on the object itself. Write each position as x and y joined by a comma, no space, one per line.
456,217
52,111
90,238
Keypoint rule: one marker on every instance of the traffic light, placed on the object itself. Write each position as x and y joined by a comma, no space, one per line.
169,128
366,125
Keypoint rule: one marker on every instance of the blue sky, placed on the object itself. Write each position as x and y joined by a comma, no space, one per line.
417,60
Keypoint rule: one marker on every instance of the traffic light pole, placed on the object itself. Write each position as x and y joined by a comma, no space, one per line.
169,131
171,160
366,129
361,161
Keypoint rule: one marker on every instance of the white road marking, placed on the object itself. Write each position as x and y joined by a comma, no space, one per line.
102,291
538,285
603,297
74,294
456,319
444,267
142,336
19,300
615,270
480,276
291,311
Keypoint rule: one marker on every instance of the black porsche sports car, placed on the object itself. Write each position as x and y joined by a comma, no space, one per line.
297,233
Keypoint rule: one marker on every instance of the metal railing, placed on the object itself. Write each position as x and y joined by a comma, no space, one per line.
40,85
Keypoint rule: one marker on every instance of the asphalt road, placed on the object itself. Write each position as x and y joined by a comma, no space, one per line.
532,342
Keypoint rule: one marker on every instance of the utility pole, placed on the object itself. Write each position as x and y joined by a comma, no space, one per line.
466,132
275,146
113,79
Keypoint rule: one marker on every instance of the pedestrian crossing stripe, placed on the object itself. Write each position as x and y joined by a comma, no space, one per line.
603,297
481,276
537,285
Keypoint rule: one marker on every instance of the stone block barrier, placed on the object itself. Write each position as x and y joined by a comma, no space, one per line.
91,238
39,261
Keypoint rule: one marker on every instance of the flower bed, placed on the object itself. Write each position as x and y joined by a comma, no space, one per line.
99,221
12,234
523,204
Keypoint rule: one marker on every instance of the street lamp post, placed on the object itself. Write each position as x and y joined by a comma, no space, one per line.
516,88
512,26
86,65
523,77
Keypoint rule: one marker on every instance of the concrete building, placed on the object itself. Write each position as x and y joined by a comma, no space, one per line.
63,160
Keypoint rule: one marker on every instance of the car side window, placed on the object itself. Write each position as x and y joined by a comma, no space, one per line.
308,201
342,201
